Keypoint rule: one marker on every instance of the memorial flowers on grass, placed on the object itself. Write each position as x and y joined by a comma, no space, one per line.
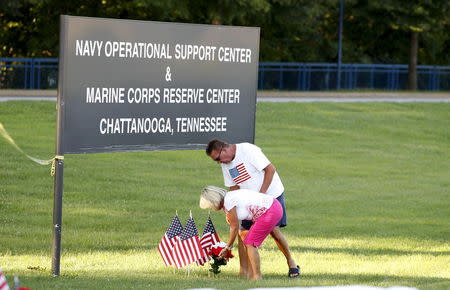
219,261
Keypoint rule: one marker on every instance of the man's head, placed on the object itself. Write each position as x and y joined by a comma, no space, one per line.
220,151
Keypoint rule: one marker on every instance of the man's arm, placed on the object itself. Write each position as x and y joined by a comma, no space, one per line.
234,187
269,172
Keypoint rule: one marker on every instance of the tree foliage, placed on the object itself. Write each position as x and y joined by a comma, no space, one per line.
375,31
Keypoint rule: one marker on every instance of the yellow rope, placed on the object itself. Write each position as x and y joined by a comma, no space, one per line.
57,157
10,140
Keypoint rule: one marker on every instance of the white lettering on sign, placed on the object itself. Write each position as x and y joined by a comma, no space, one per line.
124,49
183,95
135,125
195,52
105,95
149,50
201,124
144,95
223,96
88,47
234,54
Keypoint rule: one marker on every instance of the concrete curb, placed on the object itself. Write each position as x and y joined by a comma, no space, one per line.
357,94
28,93
279,94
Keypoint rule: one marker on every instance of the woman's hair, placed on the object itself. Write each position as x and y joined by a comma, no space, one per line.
212,197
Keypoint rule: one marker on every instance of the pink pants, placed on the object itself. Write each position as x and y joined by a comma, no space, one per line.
263,225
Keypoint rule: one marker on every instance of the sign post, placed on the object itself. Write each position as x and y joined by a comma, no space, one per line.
57,216
127,85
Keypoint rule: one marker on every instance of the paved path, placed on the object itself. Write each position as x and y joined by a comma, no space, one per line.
350,97
277,96
354,100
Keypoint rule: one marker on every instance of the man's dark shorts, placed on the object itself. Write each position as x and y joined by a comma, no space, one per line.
246,224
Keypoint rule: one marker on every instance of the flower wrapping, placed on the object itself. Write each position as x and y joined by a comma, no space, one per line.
218,261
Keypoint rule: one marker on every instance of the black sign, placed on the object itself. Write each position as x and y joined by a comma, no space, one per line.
131,85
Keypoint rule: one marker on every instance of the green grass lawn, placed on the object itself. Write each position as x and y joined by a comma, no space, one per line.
367,193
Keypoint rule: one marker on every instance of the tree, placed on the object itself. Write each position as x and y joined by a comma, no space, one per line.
375,31
396,25
31,27
299,31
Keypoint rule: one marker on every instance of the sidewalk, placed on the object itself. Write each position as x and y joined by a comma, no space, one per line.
28,93
354,94
284,95
354,97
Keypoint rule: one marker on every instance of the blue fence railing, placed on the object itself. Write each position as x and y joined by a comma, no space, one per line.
323,76
42,73
28,73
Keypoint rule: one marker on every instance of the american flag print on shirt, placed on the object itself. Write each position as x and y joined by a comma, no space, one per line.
239,173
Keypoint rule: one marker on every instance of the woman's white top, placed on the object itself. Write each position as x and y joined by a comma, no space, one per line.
249,204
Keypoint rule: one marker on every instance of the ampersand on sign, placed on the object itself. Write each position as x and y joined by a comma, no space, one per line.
168,74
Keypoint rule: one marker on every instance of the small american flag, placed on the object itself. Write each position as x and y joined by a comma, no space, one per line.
188,248
169,240
3,283
239,173
209,238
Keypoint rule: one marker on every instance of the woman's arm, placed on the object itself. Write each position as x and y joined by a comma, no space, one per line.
233,221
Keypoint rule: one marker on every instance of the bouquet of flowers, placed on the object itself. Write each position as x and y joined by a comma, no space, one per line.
218,261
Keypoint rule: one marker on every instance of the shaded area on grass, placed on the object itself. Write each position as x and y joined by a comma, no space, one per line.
180,280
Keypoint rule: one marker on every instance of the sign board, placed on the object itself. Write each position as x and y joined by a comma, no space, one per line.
128,85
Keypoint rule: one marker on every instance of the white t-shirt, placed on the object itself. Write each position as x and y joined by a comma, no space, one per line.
249,204
246,170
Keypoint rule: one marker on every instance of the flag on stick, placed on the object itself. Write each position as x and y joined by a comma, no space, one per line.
3,283
169,240
188,248
209,238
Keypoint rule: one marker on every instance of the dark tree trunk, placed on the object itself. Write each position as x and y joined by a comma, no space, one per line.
412,67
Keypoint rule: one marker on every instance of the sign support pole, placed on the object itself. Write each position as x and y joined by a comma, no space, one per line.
57,216
59,157
58,192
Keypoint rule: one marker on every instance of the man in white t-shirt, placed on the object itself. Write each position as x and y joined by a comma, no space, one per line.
244,166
